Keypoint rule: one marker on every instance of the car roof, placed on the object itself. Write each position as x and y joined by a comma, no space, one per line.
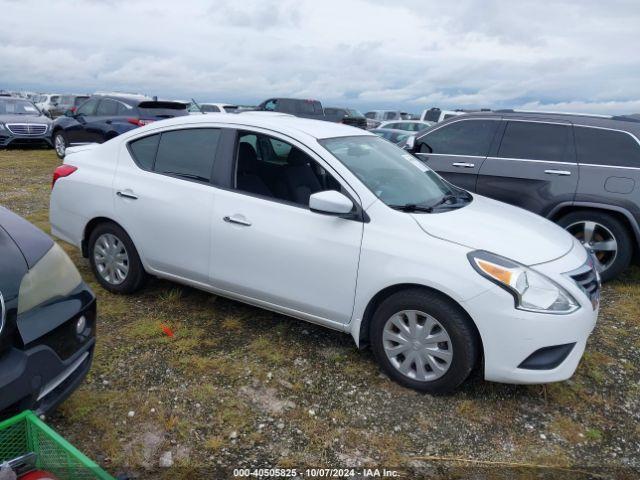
286,124
620,122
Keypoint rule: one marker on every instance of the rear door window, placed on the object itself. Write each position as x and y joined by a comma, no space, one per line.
466,137
535,141
107,108
187,153
88,107
597,146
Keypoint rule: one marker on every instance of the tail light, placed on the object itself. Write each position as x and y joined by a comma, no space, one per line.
139,122
62,171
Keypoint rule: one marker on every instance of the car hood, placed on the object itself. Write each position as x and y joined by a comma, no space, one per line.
32,242
512,232
24,119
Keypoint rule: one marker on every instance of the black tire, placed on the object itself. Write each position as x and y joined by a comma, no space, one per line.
63,137
463,335
621,234
136,275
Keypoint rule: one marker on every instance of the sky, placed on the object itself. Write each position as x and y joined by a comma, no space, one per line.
578,55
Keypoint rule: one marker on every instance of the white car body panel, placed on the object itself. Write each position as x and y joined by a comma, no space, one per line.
322,268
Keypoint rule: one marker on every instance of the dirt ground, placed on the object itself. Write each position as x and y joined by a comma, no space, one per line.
240,387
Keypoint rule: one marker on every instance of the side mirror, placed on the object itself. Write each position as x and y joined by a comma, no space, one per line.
330,202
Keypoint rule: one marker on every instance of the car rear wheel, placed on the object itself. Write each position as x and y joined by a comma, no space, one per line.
60,144
424,341
114,259
606,236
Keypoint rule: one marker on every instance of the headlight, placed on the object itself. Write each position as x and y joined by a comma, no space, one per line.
54,275
531,290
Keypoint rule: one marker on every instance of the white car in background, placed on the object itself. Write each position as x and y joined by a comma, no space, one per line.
406,125
195,109
47,102
336,226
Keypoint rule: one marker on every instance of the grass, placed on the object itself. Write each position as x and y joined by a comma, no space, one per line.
232,370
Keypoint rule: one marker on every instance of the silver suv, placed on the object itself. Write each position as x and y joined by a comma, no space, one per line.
582,171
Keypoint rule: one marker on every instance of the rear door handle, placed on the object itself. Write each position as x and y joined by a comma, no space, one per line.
126,195
558,172
238,219
463,165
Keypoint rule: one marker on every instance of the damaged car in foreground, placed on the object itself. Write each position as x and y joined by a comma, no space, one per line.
47,320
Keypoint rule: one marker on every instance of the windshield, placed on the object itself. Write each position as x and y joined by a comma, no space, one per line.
394,176
17,107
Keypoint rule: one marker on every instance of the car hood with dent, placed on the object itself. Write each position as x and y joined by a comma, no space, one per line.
486,224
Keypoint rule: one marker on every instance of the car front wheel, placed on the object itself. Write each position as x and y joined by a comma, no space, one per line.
114,259
60,144
424,341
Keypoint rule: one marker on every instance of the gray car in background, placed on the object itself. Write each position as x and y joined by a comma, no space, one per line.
67,103
581,171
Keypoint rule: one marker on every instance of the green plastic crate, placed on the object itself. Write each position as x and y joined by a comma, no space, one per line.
26,433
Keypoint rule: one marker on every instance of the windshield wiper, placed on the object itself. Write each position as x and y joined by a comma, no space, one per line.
190,176
445,198
412,207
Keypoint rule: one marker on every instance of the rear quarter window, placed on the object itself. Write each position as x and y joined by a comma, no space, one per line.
597,146
144,151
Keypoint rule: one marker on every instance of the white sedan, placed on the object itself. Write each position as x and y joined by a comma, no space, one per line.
336,226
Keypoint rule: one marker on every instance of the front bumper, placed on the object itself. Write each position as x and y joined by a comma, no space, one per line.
46,372
511,336
8,139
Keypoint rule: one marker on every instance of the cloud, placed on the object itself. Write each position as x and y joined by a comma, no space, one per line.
408,54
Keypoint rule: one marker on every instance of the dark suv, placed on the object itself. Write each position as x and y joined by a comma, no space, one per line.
581,171
294,106
104,117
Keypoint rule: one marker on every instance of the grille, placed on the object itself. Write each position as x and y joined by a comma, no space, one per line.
27,128
588,280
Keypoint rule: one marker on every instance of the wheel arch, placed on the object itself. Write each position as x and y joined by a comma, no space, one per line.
364,328
90,227
622,214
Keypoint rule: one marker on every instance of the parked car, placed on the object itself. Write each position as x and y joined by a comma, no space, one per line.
394,136
195,109
47,320
47,102
22,124
348,116
104,117
376,117
67,103
304,108
580,171
407,125
334,225
436,115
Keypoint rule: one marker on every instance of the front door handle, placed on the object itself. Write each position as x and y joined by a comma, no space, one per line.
238,219
558,172
463,165
126,195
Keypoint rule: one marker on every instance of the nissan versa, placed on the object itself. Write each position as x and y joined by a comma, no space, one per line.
333,225
47,320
